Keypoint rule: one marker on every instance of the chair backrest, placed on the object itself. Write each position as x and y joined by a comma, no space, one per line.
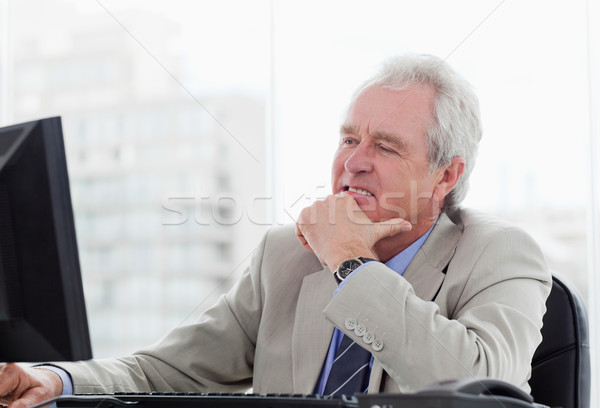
561,364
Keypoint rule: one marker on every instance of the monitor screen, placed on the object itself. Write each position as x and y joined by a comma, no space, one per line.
42,308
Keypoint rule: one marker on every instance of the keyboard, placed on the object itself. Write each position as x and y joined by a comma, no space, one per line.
192,400
437,399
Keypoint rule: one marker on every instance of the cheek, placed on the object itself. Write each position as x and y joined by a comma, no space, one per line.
425,190
402,184
337,168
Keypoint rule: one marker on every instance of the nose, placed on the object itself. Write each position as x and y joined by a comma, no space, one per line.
361,159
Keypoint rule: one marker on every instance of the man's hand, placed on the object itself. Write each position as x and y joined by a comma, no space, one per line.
22,387
336,229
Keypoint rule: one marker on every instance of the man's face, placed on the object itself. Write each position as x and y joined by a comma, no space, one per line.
382,155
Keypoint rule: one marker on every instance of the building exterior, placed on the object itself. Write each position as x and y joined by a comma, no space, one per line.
160,178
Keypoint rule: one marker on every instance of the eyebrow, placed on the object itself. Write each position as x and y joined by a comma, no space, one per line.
385,137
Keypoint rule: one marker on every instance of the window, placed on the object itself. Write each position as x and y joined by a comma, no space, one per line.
168,104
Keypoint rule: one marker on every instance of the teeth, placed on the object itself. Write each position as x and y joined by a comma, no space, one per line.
359,191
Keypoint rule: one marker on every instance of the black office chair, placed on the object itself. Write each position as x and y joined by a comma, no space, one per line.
561,364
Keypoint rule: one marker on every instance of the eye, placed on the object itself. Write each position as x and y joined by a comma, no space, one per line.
348,141
386,149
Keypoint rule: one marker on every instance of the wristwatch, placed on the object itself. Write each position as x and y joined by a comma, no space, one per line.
347,266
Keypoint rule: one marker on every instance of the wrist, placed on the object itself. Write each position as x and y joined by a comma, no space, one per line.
337,259
54,380
348,266
59,378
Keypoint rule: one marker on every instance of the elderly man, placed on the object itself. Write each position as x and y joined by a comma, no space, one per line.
386,285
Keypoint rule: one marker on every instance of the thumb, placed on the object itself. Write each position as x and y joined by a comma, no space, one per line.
391,227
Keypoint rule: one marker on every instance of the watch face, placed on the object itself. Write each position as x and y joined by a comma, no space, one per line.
347,267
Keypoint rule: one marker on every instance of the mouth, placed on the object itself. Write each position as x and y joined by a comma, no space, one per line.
357,190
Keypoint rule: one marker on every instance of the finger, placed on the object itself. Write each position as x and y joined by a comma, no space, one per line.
392,227
300,235
307,246
36,385
302,240
9,381
30,398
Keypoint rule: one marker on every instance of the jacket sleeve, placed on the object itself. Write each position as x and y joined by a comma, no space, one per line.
215,354
485,321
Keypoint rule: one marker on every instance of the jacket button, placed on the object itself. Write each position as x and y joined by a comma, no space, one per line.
377,344
360,330
369,337
350,323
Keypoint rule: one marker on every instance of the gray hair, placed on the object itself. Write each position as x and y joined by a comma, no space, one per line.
456,127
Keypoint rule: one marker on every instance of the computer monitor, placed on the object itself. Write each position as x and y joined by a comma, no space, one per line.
42,308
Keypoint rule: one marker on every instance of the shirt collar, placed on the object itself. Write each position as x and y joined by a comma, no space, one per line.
400,262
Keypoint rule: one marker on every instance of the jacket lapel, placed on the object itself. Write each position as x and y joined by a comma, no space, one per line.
312,332
426,272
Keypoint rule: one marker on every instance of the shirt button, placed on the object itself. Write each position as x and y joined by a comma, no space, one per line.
350,323
360,330
377,344
369,337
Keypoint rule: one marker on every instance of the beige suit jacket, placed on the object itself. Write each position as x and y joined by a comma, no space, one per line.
488,282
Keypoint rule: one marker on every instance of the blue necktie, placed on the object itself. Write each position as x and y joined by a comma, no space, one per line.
350,370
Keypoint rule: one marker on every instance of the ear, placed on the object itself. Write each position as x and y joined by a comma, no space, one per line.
448,178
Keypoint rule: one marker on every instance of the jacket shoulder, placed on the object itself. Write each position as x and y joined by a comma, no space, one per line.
282,249
481,225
